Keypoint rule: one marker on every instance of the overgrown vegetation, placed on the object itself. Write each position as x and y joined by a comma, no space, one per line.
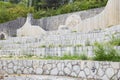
13,9
115,41
106,52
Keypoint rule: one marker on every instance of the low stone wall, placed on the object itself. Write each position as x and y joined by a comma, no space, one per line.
77,68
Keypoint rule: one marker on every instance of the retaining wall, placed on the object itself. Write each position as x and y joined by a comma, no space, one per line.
48,23
83,69
55,51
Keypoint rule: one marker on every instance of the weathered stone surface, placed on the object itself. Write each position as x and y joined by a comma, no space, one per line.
39,71
60,66
69,65
47,67
118,74
35,64
97,65
100,72
87,71
105,77
26,71
82,74
109,72
10,65
61,73
54,71
15,68
76,69
10,71
19,72
53,65
29,63
4,63
82,65
73,74
46,72
30,70
15,62
67,71
115,65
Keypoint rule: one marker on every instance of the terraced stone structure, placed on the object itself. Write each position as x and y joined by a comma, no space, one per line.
58,43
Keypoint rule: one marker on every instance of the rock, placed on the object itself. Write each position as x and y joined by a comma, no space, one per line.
30,70
76,69
19,72
25,63
4,63
69,65
25,71
54,71
15,68
60,66
67,71
10,71
10,65
97,65
119,74
89,64
100,72
115,65
87,71
35,64
46,72
82,74
15,62
61,73
47,67
53,65
105,77
29,63
73,74
109,72
39,71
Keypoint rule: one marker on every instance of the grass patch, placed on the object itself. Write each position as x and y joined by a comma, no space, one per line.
64,57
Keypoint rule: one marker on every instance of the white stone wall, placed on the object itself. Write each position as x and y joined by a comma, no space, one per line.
50,43
55,51
82,69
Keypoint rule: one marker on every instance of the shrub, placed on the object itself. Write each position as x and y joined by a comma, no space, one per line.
83,57
105,52
115,41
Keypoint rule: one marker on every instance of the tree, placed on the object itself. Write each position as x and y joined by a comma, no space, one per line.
4,15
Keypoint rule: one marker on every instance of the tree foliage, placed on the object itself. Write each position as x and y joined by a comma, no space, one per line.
11,9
